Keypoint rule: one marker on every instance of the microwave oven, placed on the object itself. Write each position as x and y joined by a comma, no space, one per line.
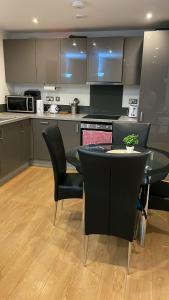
25,104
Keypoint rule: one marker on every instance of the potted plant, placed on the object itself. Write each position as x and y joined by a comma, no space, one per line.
130,141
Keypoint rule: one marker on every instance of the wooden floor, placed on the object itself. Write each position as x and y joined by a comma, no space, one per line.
40,261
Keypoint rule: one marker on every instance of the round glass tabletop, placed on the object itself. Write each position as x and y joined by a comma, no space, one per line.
157,163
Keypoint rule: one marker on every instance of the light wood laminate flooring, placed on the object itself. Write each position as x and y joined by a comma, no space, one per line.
40,261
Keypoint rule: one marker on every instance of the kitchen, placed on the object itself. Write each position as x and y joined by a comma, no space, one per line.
114,74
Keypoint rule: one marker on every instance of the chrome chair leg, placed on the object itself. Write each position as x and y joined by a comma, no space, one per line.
143,220
129,256
85,245
56,204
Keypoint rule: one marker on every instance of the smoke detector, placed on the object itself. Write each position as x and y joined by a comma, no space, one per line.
78,3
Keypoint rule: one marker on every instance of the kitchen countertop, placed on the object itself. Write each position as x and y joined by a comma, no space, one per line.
14,117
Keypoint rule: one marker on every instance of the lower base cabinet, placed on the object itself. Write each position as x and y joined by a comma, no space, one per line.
14,147
70,131
39,149
21,143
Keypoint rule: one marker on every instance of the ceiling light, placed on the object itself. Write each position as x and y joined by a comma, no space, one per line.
77,3
156,48
149,16
80,16
94,44
74,44
35,20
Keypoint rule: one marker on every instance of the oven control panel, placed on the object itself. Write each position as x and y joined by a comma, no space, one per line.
96,126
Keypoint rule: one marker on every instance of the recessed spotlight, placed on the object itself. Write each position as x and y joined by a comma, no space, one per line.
77,3
80,16
74,44
149,16
35,20
94,44
156,48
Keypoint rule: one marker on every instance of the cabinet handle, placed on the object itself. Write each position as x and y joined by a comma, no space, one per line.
141,116
1,134
44,123
77,128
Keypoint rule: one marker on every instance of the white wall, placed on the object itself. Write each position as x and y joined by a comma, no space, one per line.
3,86
67,93
129,92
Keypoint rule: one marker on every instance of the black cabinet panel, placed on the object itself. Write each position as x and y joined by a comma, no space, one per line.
154,90
14,146
40,151
133,48
70,131
20,61
105,56
48,60
73,60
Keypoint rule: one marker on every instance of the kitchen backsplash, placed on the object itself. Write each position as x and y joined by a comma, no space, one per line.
68,93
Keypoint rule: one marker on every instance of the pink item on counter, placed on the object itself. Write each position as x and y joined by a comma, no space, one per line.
96,137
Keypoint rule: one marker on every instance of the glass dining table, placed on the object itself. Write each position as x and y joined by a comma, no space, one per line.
156,169
157,165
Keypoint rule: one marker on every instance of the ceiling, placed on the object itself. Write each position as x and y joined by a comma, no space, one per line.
59,15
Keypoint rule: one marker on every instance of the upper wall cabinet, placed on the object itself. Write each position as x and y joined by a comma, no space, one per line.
73,60
133,48
20,64
47,60
105,56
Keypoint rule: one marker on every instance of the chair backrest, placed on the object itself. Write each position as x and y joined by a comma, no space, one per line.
122,129
112,184
54,142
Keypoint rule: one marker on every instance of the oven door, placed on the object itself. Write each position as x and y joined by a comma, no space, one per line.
96,134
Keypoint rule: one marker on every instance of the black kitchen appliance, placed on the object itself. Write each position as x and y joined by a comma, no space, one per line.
36,94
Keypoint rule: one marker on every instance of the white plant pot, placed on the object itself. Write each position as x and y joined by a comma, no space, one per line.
130,149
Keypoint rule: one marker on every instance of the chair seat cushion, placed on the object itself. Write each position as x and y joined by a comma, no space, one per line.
159,196
160,188
71,186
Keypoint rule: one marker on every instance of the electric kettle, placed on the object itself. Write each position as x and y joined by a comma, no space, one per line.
53,109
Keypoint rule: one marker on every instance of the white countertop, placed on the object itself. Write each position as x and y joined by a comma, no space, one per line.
14,117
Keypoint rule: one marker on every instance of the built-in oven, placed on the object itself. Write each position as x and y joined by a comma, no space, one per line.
96,133
25,104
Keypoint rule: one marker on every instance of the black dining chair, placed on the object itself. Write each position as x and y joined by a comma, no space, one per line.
122,129
67,185
111,186
159,196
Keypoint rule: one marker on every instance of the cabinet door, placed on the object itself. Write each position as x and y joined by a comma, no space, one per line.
40,151
24,127
73,60
70,131
154,89
105,57
10,148
47,60
133,48
20,61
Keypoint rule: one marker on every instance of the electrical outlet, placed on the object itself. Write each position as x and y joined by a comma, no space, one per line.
57,98
49,98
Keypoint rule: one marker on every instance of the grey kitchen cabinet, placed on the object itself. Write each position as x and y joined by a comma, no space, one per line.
70,131
14,147
105,57
154,88
48,60
19,58
132,60
25,141
40,151
73,60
